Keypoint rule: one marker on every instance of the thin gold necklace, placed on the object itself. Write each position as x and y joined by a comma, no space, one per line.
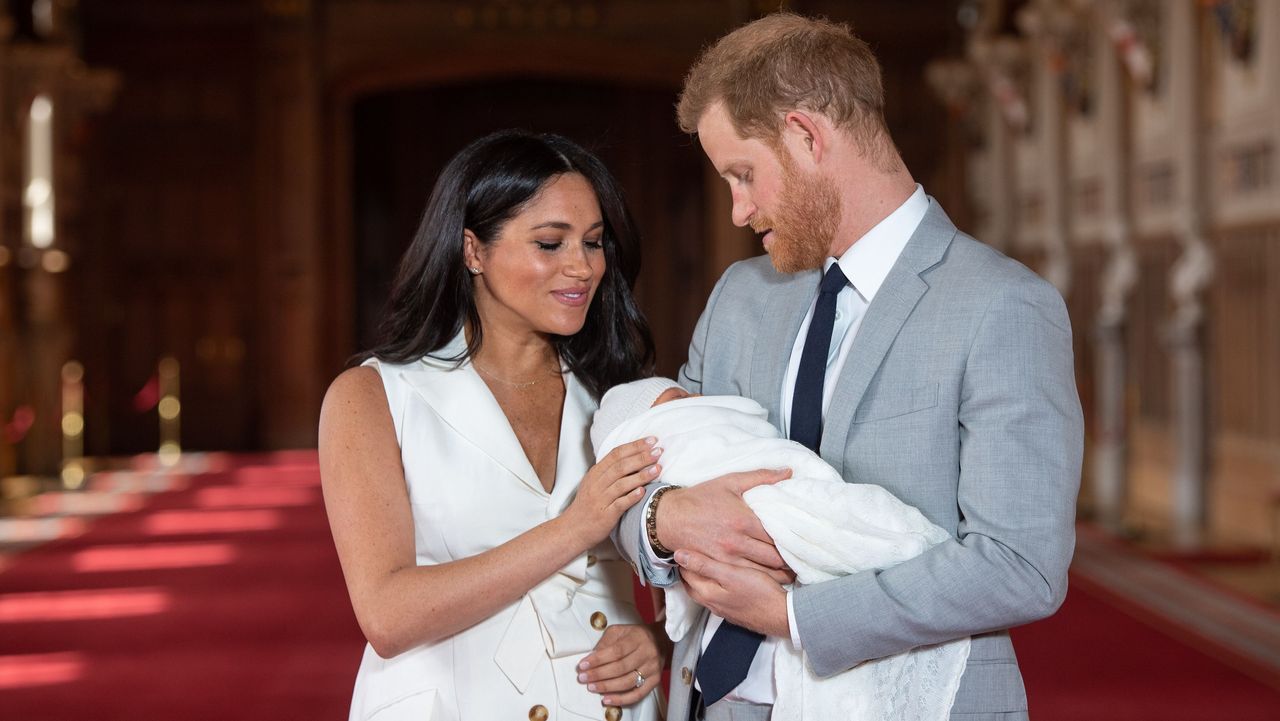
500,379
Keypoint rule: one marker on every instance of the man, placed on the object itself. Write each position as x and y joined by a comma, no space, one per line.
907,353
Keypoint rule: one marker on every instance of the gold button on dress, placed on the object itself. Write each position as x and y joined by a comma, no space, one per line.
538,713
598,621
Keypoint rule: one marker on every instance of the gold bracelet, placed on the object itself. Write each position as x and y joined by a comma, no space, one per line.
651,524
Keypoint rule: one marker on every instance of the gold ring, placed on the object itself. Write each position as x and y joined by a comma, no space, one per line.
639,678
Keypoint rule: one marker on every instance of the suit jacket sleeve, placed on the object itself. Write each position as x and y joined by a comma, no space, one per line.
628,535
1021,438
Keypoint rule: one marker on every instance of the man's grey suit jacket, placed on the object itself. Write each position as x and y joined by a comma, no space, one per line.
959,397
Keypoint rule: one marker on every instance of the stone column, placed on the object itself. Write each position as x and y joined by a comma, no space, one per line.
1188,280
1044,21
1004,191
954,81
1119,275
1000,59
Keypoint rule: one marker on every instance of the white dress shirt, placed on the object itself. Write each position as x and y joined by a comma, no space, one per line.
866,264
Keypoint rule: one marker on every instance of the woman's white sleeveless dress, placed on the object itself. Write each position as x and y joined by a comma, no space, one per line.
472,488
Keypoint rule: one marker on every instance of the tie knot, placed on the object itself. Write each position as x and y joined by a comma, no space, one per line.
834,280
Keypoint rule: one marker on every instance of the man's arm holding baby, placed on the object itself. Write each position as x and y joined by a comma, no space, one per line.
710,518
1021,433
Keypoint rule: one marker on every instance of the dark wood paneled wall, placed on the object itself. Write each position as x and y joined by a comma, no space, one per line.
223,223
170,248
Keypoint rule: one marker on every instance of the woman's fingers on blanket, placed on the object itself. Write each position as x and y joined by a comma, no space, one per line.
633,465
612,486
630,458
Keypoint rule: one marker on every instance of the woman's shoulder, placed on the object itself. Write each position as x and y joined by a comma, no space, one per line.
354,388
375,380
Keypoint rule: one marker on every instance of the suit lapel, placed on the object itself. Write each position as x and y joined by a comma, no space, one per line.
784,310
462,400
898,296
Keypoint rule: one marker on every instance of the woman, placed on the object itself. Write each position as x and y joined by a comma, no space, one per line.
471,527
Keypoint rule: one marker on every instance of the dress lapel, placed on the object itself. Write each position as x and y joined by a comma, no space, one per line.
574,456
898,296
784,310
461,399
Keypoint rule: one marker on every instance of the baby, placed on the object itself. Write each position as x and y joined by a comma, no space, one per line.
823,527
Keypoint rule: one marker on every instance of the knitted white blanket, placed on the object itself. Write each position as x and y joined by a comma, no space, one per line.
824,528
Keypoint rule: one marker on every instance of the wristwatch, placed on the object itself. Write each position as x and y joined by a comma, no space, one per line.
651,524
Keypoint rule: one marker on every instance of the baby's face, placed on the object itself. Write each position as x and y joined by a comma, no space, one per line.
674,393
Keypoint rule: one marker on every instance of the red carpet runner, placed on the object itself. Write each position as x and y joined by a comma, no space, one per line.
224,601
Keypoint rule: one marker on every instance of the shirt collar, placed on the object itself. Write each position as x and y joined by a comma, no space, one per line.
868,261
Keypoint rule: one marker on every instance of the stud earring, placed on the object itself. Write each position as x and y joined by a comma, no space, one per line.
474,271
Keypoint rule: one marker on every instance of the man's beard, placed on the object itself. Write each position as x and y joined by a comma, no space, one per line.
804,226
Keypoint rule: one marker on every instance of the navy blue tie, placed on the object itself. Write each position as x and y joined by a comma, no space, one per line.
728,657
806,402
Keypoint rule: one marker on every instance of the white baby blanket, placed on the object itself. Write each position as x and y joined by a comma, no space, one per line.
824,528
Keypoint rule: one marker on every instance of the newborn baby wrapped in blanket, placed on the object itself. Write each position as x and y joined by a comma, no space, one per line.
823,528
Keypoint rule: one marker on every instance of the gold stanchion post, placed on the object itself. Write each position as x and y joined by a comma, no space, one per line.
73,470
170,412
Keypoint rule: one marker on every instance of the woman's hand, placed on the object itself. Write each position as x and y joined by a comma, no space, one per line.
624,655
612,486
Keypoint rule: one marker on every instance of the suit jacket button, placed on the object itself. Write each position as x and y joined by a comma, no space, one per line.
612,713
599,621
538,713
686,675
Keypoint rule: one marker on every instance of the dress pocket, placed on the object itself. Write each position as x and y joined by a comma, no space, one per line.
886,404
417,705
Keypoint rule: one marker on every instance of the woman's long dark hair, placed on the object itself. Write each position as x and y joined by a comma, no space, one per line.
483,187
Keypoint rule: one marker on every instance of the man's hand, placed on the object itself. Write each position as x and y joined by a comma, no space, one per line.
748,597
712,518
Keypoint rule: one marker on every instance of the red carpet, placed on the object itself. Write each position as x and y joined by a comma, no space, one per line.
224,601
241,615
1094,661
